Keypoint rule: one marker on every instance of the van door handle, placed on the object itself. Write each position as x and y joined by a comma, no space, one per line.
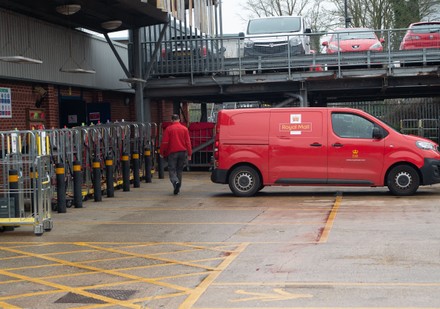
316,145
337,145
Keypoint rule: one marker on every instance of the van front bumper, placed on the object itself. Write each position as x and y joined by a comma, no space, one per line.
431,171
219,176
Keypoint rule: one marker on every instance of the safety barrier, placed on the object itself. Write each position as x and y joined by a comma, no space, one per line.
46,170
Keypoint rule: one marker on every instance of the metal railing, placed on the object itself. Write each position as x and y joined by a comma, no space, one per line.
225,56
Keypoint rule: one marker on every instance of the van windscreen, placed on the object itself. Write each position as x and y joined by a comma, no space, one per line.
274,25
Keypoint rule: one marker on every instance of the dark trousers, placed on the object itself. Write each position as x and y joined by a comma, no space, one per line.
176,162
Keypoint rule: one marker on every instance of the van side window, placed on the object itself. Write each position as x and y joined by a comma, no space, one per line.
351,126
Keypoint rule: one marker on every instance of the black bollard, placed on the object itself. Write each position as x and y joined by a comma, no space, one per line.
61,187
77,184
97,193
136,170
125,172
109,177
147,158
13,189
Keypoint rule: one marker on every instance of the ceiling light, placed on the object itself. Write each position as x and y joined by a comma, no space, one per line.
133,80
68,9
111,24
20,59
77,70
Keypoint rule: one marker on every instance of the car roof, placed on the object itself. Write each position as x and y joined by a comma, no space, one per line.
352,29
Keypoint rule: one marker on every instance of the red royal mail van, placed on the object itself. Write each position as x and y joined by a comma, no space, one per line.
318,146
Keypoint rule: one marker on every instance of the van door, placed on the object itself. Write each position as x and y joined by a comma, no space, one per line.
298,146
354,156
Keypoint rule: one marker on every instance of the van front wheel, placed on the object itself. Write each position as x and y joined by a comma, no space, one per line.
403,180
244,181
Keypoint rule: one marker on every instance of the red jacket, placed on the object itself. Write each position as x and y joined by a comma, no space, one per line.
175,138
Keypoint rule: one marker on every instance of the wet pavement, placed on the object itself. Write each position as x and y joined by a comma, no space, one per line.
288,247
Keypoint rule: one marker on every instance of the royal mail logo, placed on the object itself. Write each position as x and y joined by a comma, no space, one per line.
295,118
355,153
303,127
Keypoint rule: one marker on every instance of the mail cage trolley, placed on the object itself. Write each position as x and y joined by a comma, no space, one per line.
25,189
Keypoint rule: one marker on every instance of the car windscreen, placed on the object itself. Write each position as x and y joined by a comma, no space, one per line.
354,35
274,25
426,28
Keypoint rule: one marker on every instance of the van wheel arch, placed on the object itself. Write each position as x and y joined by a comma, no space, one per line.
245,180
403,179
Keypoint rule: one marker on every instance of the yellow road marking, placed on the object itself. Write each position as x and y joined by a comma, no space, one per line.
330,220
203,286
277,295
230,250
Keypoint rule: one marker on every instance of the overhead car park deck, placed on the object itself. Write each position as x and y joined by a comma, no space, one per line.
288,247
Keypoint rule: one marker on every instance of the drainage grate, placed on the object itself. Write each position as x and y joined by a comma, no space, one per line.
115,294
72,298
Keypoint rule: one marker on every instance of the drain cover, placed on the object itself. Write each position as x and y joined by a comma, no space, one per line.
115,294
72,298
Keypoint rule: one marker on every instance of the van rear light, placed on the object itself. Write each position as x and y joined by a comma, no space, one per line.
216,152
163,53
204,51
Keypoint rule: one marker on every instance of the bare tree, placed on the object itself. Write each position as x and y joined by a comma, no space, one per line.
385,14
262,8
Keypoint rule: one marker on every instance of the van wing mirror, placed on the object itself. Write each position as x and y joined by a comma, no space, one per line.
377,132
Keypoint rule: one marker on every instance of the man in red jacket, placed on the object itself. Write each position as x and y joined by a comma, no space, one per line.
176,147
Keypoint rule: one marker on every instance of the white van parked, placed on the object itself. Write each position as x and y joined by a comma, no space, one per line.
276,36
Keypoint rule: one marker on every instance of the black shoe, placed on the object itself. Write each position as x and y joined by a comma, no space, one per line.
176,187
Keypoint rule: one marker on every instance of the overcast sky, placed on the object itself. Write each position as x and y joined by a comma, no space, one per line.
233,16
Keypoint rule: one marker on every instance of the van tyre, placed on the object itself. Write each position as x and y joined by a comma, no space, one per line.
244,181
403,180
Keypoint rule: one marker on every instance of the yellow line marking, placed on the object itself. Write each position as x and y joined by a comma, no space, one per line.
133,254
330,220
79,290
65,288
203,286
277,295
9,306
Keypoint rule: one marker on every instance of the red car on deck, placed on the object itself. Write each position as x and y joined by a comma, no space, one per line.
353,40
422,35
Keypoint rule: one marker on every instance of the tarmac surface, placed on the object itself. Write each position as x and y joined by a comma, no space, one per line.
288,247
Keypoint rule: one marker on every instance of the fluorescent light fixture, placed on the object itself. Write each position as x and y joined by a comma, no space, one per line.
111,24
20,60
78,70
133,80
68,9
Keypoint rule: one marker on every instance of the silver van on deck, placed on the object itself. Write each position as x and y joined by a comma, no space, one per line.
276,36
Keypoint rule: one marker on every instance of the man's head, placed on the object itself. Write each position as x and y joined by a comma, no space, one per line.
175,118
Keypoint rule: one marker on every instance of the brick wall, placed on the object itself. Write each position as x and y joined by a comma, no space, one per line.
24,97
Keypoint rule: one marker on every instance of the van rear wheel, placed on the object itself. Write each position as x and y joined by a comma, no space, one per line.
403,180
244,181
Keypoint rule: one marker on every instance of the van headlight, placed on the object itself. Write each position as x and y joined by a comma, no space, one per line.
425,145
295,41
248,44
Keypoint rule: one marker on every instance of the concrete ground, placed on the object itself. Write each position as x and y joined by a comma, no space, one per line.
288,247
